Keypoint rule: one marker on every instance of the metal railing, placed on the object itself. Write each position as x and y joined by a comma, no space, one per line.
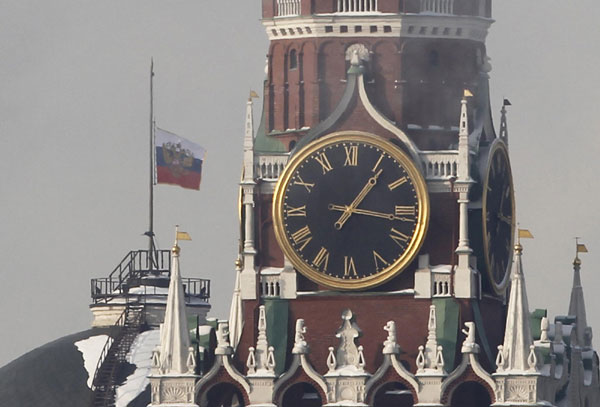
131,271
108,345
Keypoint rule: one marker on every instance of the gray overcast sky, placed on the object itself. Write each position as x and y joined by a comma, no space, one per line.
74,135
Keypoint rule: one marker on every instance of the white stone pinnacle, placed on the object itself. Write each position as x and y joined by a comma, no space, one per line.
175,339
517,336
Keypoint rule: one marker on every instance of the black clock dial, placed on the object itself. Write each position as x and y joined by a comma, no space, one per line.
352,211
499,216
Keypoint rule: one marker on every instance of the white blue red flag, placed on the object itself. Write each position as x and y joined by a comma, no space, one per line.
178,161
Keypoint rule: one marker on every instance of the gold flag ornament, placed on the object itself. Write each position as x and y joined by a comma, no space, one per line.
581,248
467,93
183,236
525,234
253,94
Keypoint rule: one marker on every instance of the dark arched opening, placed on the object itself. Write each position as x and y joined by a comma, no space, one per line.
301,395
393,395
471,394
223,395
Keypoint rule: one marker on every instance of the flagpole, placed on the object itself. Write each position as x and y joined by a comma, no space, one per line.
151,247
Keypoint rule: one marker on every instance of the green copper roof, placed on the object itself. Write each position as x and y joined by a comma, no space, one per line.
447,317
264,143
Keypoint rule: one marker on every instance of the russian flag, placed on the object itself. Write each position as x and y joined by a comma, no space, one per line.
178,161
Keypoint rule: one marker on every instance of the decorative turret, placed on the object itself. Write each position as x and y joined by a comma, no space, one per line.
577,302
517,345
174,362
503,122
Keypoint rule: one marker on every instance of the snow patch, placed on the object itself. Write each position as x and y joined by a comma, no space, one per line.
139,355
90,349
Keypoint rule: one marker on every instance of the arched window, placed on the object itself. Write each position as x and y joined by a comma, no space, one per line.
470,394
301,395
292,145
223,395
293,59
393,395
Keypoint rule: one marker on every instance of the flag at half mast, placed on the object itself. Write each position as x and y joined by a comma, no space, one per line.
178,161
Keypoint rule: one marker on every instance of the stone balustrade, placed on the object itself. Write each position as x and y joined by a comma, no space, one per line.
437,6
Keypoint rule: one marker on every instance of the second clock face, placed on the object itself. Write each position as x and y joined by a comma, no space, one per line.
351,211
498,217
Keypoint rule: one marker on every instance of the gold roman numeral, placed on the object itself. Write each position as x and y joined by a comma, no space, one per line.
321,259
351,156
377,163
399,237
306,185
405,210
322,159
300,211
377,257
301,237
349,267
397,183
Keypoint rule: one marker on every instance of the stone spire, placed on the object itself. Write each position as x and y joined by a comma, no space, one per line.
516,349
503,121
577,303
174,356
248,274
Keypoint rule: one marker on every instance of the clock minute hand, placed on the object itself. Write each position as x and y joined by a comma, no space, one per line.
359,198
358,211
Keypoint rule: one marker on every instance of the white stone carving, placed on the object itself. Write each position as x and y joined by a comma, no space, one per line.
300,345
347,352
223,346
251,361
331,361
469,345
390,346
357,53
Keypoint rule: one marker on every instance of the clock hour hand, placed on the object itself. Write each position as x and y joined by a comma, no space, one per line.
358,211
359,198
505,219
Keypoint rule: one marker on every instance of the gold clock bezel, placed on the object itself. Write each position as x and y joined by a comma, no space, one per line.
498,147
418,236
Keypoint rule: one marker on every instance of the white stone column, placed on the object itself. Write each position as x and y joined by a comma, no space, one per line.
466,281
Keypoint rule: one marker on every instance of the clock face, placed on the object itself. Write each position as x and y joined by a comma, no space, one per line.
498,216
350,210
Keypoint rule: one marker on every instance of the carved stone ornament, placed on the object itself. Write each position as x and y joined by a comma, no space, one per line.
357,51
300,345
469,345
223,346
347,353
390,345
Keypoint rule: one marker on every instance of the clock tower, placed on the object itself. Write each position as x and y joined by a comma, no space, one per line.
376,211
